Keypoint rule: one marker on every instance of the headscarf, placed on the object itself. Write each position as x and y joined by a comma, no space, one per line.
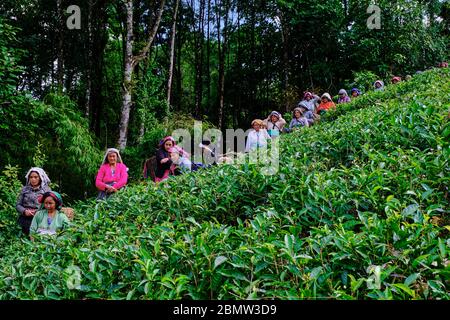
357,91
274,113
396,79
45,181
299,109
258,121
307,93
170,138
55,195
380,82
105,158
326,95
343,91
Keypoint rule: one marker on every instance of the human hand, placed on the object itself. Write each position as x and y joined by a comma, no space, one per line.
29,212
165,160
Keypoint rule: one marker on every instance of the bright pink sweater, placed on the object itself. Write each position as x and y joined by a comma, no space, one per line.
105,176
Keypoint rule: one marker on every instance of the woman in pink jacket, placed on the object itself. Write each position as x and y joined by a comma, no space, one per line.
112,175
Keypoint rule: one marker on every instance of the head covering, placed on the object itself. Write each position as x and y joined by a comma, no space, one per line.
258,121
275,113
326,95
443,64
44,178
396,79
299,109
356,90
105,158
55,195
343,91
307,93
168,138
408,77
176,149
380,82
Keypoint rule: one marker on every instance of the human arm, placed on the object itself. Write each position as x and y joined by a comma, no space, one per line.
19,207
99,179
123,176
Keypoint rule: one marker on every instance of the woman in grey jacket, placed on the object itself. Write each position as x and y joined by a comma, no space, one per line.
27,203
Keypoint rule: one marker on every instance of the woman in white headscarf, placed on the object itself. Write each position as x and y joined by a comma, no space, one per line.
27,204
112,175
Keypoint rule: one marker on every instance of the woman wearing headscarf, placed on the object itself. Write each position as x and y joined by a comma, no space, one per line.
356,92
257,137
27,204
299,118
343,97
326,103
274,124
378,85
310,100
112,175
163,160
396,80
49,219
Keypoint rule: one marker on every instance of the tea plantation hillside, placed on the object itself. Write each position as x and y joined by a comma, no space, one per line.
358,210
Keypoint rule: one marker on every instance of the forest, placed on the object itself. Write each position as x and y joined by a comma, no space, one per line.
362,193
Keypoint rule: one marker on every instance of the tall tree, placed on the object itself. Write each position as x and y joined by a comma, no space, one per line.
172,52
130,62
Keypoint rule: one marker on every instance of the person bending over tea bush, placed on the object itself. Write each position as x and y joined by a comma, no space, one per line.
49,219
27,204
112,175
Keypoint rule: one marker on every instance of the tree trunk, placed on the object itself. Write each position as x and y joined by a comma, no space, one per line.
208,57
172,52
130,62
128,74
222,47
60,52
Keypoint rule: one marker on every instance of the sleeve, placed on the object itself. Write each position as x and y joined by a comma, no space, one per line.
99,179
159,156
247,145
35,222
123,177
281,123
291,125
19,207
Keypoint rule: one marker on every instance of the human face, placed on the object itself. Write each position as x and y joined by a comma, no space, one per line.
274,118
112,158
378,85
325,100
354,94
174,156
297,114
50,204
168,144
34,178
256,126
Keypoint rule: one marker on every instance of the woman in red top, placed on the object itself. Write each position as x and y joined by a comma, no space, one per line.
112,175
326,103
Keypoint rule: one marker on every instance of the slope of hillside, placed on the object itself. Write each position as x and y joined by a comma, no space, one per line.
358,210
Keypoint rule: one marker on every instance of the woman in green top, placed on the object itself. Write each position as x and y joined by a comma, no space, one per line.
49,219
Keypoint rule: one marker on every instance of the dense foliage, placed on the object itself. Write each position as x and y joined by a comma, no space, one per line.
358,210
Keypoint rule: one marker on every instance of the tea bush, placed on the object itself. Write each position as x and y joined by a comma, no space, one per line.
358,210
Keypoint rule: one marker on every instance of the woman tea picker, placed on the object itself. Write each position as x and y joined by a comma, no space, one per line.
49,219
27,204
112,174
